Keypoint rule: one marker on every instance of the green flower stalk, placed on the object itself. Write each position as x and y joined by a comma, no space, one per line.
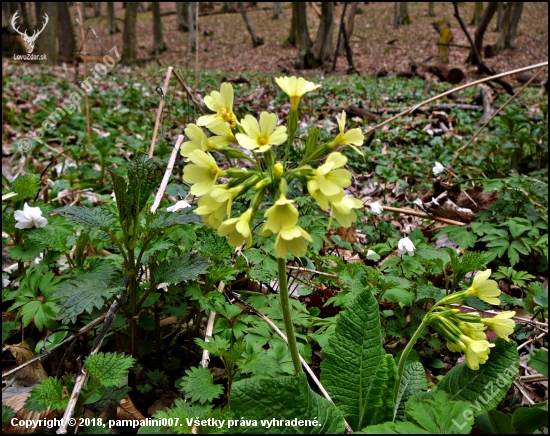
259,140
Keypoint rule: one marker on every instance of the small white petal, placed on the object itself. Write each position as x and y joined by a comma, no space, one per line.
376,209
182,204
438,169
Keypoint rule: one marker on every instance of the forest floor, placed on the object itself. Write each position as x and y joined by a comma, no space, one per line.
224,43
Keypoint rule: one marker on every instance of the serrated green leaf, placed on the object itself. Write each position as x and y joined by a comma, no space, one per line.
404,298
164,220
143,178
7,414
538,360
283,398
27,254
260,364
175,270
49,237
120,188
400,427
108,369
46,393
429,291
351,371
495,422
26,186
7,327
198,385
88,291
90,218
430,254
413,381
486,387
438,414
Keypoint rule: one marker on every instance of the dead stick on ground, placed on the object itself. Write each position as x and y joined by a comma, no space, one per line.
83,376
458,88
421,215
208,333
520,90
159,111
167,174
283,337
46,353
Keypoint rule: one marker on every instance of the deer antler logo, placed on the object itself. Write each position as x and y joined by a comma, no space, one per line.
29,40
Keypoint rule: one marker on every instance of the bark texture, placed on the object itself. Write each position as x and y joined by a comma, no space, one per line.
111,20
129,39
65,33
158,41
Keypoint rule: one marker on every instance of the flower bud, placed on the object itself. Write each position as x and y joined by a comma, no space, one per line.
278,170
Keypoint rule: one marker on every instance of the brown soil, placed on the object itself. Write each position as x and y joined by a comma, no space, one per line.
224,43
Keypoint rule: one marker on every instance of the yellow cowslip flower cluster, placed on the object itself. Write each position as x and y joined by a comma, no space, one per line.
465,332
259,138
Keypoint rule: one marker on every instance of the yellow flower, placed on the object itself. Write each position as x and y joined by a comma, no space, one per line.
203,174
222,104
291,240
477,351
197,141
224,135
483,288
221,194
329,179
474,330
261,136
295,88
238,229
343,210
501,324
212,212
282,215
351,137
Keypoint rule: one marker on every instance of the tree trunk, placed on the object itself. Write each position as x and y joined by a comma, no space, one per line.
500,15
129,38
292,36
47,41
517,10
192,17
181,16
431,9
83,10
158,42
503,25
323,48
350,23
276,10
305,58
111,20
97,9
65,33
488,14
401,14
228,7
255,40
478,13
25,16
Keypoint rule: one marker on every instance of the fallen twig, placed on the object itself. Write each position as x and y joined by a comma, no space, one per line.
159,111
208,333
464,147
167,174
420,215
458,88
83,376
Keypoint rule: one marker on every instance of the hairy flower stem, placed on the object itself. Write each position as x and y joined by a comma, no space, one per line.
407,351
285,308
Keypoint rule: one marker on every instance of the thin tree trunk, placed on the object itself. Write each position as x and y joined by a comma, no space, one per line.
431,9
47,42
500,15
401,14
276,10
181,16
228,7
24,15
255,40
349,25
97,8
111,20
517,10
65,33
129,38
83,10
158,41
488,14
292,36
305,58
323,48
191,14
478,13
504,26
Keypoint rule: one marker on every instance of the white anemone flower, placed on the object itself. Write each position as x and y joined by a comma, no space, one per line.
29,217
438,169
182,204
405,245
376,209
